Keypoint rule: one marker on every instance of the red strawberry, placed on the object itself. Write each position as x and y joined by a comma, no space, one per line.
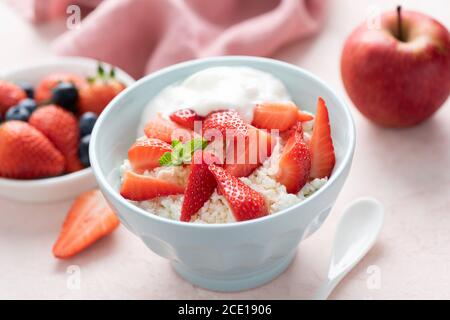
245,203
61,128
185,118
223,121
295,163
224,129
89,219
166,130
144,154
304,117
138,187
25,153
200,185
321,145
258,147
99,91
275,115
10,95
43,92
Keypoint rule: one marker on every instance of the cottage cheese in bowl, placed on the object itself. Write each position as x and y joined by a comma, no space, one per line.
212,89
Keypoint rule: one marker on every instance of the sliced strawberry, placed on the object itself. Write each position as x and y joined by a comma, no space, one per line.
295,163
258,147
138,187
200,185
61,128
275,115
144,154
304,117
321,145
25,153
245,203
10,95
185,118
89,219
166,130
227,123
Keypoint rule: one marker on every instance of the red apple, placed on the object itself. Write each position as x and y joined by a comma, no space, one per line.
399,74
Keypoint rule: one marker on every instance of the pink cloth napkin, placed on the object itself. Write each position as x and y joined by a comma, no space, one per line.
144,35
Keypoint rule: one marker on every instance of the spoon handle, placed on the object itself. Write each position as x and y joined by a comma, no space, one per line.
327,287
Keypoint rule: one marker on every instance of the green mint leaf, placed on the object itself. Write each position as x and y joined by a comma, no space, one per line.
182,152
166,159
175,143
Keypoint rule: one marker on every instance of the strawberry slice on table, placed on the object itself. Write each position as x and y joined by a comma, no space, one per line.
89,219
244,202
99,91
275,115
145,153
295,163
323,158
25,153
200,186
166,130
10,95
137,187
43,92
185,118
61,128
258,147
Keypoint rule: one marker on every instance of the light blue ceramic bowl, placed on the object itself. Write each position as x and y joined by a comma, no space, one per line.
226,257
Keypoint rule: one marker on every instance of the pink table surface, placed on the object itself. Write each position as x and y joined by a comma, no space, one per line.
407,170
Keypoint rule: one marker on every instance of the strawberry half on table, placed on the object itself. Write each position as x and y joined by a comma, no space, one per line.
89,219
99,91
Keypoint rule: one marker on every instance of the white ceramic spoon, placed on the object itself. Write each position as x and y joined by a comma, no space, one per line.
356,233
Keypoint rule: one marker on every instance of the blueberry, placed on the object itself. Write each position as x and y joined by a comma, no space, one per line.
83,150
28,88
65,94
28,104
87,122
17,113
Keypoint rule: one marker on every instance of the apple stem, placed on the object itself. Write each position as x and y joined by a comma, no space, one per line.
399,23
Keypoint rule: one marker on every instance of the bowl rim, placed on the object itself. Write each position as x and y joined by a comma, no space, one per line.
102,181
55,62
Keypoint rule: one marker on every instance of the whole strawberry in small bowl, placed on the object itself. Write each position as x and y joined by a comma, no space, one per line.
47,113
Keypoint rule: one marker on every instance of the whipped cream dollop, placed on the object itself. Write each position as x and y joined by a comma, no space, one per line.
217,88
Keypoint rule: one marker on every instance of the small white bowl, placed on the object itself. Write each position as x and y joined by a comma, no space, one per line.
69,185
223,257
